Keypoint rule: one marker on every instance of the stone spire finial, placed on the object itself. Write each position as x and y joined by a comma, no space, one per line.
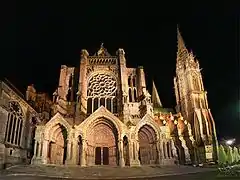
103,51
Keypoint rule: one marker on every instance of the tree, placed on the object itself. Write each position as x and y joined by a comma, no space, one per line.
229,153
222,156
236,154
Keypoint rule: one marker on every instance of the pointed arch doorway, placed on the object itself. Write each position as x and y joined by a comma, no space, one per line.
57,148
102,143
148,153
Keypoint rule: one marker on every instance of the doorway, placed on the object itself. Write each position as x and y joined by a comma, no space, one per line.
98,156
105,156
102,156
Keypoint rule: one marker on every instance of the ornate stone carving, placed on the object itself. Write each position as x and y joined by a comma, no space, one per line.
102,85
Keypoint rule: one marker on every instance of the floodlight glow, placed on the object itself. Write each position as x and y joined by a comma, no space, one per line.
230,141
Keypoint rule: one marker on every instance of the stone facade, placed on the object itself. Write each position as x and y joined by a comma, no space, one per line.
103,114
17,126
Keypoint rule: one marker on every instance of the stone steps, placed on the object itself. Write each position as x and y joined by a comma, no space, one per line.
100,171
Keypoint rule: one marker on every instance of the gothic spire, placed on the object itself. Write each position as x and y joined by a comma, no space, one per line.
155,97
182,52
181,44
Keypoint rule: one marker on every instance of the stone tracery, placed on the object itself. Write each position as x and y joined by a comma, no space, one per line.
102,90
15,124
101,85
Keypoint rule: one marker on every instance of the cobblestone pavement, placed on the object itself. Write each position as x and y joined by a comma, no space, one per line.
100,172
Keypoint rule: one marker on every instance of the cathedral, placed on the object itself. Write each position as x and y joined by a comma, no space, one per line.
103,114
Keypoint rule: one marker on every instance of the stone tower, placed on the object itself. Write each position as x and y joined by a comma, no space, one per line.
191,99
126,87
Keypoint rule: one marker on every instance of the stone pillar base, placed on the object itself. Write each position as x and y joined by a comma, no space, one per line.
168,162
69,162
36,160
135,163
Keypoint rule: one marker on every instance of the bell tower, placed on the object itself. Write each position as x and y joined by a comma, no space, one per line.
191,100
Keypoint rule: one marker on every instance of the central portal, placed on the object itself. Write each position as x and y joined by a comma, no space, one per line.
102,146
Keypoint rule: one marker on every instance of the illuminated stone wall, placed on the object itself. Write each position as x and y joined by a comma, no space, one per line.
102,114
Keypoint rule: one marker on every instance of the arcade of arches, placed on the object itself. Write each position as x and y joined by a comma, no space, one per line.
102,145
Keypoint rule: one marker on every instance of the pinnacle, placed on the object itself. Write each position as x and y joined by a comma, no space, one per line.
155,97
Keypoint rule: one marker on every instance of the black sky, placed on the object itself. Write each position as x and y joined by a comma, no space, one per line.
37,38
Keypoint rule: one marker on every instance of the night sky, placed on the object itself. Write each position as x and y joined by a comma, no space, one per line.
37,39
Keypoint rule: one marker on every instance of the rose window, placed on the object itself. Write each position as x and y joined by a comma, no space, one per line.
101,85
101,91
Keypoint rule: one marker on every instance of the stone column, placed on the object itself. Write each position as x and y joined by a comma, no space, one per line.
2,155
130,145
45,151
83,154
134,160
173,149
3,131
37,158
121,157
69,152
160,152
36,151
185,148
74,153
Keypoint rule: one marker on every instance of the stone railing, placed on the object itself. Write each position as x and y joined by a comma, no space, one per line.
102,60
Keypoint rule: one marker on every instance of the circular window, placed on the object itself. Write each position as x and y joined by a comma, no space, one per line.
102,85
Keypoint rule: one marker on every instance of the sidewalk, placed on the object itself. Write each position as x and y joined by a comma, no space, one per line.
105,172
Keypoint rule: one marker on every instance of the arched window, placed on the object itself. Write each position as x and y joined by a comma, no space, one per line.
134,81
14,125
132,91
195,82
103,89
70,81
102,102
130,95
129,81
95,104
109,104
115,105
89,105
69,95
135,95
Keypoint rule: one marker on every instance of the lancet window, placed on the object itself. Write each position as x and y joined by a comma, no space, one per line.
14,125
195,82
102,91
70,94
132,90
